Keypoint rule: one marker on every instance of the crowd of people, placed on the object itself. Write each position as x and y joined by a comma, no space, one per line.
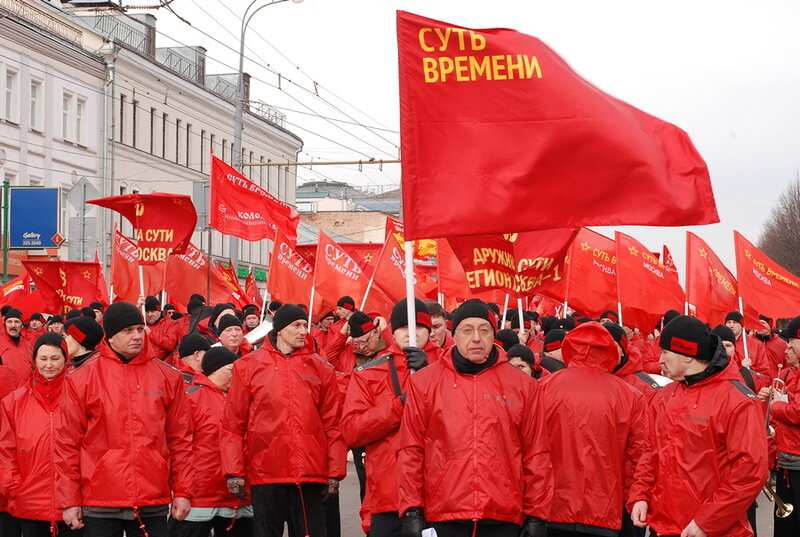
135,419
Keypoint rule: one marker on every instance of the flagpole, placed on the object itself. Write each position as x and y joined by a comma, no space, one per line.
619,312
412,316
521,319
744,332
372,278
311,306
505,312
264,306
141,288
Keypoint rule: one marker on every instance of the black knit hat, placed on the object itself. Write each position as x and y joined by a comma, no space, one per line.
554,339
151,303
669,315
71,314
13,313
119,316
522,352
96,306
616,331
228,320
216,357
494,307
197,296
473,308
734,316
687,336
567,323
347,303
85,330
507,338
193,305
793,330
329,314
218,309
286,315
52,339
769,320
250,309
37,317
360,323
274,305
169,307
399,317
191,343
55,319
724,333
611,315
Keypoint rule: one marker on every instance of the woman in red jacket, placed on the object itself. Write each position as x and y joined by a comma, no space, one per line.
27,422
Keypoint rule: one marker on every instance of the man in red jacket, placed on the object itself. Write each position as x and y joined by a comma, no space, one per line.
280,433
123,448
474,456
164,332
596,418
751,352
707,460
15,350
775,345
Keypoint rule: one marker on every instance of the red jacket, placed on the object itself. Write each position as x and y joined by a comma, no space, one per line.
776,352
786,416
27,424
280,423
757,353
165,335
632,372
17,356
371,418
125,438
708,456
595,418
474,446
207,402
651,356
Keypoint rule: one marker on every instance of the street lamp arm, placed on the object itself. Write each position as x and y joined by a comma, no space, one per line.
247,15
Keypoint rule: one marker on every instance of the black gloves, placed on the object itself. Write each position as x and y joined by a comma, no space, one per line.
413,520
416,358
533,527
236,487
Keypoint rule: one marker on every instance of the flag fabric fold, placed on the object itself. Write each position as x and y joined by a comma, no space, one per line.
291,276
65,284
764,284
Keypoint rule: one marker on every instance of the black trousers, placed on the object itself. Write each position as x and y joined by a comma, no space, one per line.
115,527
9,526
275,505
41,528
628,529
385,525
467,529
787,487
242,527
361,471
333,517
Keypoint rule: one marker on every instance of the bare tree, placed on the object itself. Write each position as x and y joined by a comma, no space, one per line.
780,237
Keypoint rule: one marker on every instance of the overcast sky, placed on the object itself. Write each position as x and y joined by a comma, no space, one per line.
727,72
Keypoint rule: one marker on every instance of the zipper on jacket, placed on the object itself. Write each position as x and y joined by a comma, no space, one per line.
475,445
130,432
52,469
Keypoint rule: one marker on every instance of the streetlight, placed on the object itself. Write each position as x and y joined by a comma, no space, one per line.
238,125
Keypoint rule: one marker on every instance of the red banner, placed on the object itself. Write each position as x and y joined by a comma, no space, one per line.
251,289
451,278
163,223
125,271
424,250
711,289
764,284
336,274
364,253
70,284
241,208
645,287
290,275
191,273
469,99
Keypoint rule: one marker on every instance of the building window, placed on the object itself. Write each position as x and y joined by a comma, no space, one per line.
10,108
134,138
188,145
164,121
211,140
202,150
224,147
261,172
121,118
80,122
177,139
66,112
35,181
152,129
36,105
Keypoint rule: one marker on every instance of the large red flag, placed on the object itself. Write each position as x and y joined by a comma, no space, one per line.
290,275
235,293
451,278
645,287
17,294
241,208
163,223
491,119
124,271
251,288
71,284
336,274
711,289
364,253
763,283
191,273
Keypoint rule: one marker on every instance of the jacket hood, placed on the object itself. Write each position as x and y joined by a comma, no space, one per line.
591,345
635,361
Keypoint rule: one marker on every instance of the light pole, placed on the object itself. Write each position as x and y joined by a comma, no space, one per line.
238,125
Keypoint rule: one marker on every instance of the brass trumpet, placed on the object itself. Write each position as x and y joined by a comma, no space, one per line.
777,387
782,510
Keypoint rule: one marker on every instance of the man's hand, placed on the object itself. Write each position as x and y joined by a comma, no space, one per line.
413,523
639,514
180,508
747,362
332,489
380,324
345,329
763,394
73,517
693,530
236,487
416,358
533,527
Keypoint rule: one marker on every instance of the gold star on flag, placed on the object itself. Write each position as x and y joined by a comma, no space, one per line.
566,259
703,253
87,274
633,250
368,258
38,271
585,246
748,254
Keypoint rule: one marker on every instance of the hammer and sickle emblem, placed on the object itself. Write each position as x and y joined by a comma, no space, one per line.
63,276
511,237
139,209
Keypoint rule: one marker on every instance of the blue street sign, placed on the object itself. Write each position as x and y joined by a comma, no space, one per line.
34,215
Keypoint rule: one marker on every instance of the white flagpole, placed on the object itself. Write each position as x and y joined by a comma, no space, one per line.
141,288
521,319
412,315
505,312
311,307
744,332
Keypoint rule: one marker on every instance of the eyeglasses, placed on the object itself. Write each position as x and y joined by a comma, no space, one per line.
365,341
469,331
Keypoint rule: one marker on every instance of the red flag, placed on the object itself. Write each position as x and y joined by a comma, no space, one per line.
164,223
251,288
424,250
764,284
124,271
102,286
711,289
241,208
336,274
191,273
645,286
364,253
232,292
470,99
15,291
290,275
451,277
65,283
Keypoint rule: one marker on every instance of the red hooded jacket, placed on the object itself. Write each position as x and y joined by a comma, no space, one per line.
474,446
27,436
207,402
165,335
786,416
280,423
708,454
595,418
632,371
125,438
16,356
371,418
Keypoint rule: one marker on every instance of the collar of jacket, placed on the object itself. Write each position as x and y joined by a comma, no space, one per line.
468,367
717,364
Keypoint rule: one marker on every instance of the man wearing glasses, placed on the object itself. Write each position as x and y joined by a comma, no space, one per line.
474,456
